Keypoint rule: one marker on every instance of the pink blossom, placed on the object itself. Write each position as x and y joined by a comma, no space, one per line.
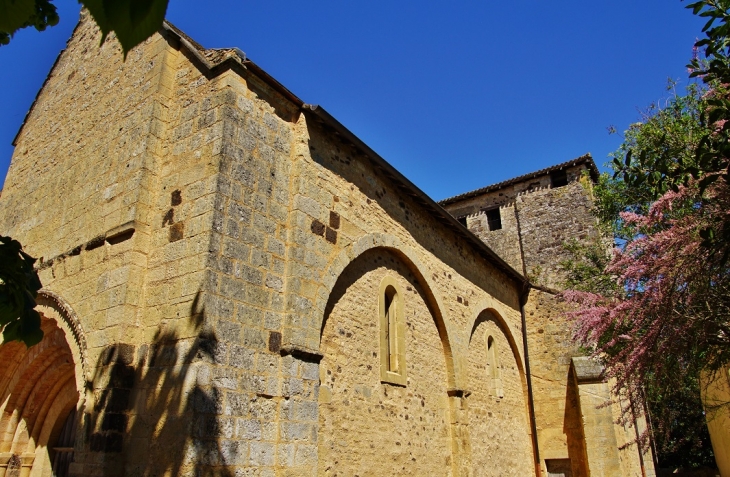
664,278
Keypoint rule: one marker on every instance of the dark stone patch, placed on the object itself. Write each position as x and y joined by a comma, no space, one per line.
114,422
122,376
113,442
176,198
168,218
120,237
96,242
334,220
274,341
331,235
318,227
177,231
120,353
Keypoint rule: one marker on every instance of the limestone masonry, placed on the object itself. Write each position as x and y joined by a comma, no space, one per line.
236,285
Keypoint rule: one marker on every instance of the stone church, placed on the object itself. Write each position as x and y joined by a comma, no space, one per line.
236,285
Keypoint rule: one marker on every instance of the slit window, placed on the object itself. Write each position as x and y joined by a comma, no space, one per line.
392,333
494,219
493,371
558,178
391,339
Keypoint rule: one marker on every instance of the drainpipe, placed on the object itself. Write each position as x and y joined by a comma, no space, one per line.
533,425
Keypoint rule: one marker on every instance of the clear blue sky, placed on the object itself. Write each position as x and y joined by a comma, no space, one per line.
456,95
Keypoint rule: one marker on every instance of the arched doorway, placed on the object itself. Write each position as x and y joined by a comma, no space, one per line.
39,395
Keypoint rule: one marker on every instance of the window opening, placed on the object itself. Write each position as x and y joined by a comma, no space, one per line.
392,333
462,220
558,178
494,373
558,468
494,219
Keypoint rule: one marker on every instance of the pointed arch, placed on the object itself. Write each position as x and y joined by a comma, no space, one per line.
455,376
498,397
41,385
488,309
491,314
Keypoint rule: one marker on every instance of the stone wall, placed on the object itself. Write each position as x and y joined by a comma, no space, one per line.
205,224
550,217
495,426
575,426
540,217
367,427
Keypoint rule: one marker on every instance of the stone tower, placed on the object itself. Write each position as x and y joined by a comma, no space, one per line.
528,220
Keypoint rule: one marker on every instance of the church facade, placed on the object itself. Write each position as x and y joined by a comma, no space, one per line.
236,285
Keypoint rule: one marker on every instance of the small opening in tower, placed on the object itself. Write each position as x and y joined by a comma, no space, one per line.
494,219
558,178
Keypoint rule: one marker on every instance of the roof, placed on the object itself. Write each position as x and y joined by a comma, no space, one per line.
410,189
584,159
215,61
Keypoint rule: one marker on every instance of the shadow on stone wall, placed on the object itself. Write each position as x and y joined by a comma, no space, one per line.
573,428
154,412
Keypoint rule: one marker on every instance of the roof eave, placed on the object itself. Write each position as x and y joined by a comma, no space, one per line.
584,159
438,212
238,62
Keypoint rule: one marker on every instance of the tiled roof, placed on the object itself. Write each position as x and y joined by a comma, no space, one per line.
584,159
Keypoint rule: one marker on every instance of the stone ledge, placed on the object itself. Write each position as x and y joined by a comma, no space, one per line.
587,370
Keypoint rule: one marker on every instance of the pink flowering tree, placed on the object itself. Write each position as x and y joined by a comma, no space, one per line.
671,308
655,310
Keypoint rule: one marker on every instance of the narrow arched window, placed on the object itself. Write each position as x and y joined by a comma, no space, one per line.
495,375
392,333
391,316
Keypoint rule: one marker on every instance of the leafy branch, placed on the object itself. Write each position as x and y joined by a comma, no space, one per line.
19,285
133,21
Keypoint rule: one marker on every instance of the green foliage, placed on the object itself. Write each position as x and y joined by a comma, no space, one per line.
704,156
133,21
19,285
680,142
678,421
17,14
655,156
659,153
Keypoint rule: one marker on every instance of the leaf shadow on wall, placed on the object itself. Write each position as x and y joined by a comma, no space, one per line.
573,428
154,412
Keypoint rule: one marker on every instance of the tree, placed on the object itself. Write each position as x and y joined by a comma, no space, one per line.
19,285
659,316
133,21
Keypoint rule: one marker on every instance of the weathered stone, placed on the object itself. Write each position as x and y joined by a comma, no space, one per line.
215,254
